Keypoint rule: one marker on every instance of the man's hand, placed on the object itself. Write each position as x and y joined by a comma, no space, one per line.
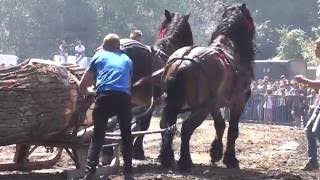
87,80
91,90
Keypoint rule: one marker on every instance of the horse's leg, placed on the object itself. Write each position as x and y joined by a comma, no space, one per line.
144,123
236,109
21,154
189,125
168,118
216,150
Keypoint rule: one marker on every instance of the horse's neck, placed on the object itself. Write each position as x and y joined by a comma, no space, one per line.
229,47
224,43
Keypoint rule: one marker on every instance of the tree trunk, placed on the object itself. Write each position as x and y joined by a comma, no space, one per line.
37,101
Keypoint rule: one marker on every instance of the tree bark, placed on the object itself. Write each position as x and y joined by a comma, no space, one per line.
37,101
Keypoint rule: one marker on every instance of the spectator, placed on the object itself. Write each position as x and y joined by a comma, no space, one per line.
267,106
80,54
255,100
294,90
282,103
312,100
63,52
136,35
283,77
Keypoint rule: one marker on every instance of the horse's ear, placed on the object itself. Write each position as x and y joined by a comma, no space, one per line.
187,17
224,7
243,6
167,14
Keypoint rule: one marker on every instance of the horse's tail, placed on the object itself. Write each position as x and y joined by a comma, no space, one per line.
175,86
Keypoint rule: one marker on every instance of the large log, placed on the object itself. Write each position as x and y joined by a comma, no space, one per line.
37,101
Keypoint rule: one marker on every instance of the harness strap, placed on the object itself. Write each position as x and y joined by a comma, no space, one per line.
146,78
224,58
133,43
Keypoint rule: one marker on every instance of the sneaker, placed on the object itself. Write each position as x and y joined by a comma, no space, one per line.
311,166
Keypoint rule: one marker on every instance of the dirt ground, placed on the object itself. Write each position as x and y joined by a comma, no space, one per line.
264,151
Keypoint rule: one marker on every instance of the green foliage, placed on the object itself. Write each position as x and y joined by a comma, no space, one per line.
266,39
33,28
290,43
295,44
308,47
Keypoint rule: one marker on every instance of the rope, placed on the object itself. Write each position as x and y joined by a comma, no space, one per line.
170,130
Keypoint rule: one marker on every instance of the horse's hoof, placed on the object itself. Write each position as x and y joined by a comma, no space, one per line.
233,166
216,151
231,163
138,154
166,159
185,165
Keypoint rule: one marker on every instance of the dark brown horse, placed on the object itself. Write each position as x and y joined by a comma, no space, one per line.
203,79
175,32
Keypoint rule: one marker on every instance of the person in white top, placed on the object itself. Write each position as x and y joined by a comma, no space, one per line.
267,106
79,51
80,54
63,52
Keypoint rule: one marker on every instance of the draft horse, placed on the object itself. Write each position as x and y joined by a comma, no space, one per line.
203,79
175,32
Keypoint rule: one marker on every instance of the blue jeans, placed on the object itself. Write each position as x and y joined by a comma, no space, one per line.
313,133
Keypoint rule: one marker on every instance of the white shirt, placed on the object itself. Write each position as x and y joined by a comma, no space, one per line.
268,102
79,49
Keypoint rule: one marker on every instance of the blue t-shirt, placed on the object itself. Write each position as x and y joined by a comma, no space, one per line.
112,71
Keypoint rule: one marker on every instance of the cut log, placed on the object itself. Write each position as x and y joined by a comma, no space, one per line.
38,99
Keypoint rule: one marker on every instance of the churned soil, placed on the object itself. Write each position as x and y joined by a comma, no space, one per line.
264,151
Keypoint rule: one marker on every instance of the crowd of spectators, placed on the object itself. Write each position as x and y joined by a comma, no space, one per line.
280,102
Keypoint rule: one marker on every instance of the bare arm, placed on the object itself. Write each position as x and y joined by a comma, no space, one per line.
314,84
87,80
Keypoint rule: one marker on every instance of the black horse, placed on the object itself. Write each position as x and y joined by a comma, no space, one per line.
175,32
203,79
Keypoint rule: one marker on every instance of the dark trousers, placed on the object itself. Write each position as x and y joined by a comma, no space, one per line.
107,105
313,134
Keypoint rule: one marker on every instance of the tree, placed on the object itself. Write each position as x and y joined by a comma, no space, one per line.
290,43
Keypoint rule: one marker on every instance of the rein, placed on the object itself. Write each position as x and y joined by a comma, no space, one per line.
147,78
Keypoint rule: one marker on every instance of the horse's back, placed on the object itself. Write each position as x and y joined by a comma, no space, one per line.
204,73
140,54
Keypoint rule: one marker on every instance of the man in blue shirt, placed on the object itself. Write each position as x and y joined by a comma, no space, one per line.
111,71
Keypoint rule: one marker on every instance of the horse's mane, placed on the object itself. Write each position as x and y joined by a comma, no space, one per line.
173,24
238,26
178,29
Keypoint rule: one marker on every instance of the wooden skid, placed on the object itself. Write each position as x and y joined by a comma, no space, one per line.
36,165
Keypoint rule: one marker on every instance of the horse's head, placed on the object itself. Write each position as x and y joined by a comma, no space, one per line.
175,32
242,13
237,25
